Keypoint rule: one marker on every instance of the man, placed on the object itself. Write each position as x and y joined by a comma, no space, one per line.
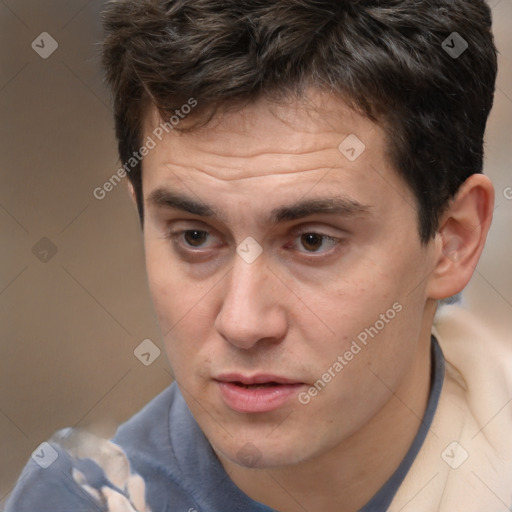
308,177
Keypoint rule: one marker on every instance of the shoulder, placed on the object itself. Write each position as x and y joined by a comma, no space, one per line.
478,380
46,483
473,349
138,466
470,433
146,437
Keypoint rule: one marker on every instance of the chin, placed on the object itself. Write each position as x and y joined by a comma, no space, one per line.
260,452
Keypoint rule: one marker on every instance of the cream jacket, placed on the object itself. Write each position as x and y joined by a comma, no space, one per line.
465,463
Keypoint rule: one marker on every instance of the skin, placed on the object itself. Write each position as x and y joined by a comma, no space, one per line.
303,301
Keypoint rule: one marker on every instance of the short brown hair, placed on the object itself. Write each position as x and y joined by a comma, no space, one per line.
389,59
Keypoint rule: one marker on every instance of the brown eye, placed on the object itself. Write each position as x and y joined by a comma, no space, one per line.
194,237
316,244
312,241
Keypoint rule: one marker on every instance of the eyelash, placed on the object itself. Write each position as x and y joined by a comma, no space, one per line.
188,250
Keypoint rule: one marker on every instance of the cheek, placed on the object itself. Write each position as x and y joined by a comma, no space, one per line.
367,313
161,281
183,307
164,283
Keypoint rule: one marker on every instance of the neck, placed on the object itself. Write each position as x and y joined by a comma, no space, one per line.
347,477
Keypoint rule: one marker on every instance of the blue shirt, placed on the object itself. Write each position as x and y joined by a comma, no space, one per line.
166,446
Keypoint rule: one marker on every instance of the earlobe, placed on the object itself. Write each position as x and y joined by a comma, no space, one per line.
461,237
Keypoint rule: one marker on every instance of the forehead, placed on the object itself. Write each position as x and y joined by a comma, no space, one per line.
266,138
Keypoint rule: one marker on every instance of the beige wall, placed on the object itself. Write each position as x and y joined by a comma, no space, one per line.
69,326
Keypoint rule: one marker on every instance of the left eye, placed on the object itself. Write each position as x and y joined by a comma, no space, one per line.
312,242
195,238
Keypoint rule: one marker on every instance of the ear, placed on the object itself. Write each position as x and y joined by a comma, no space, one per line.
131,191
138,206
461,237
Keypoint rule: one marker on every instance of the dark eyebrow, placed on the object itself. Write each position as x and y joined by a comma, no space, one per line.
163,198
338,205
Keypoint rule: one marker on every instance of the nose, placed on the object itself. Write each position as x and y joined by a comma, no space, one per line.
253,306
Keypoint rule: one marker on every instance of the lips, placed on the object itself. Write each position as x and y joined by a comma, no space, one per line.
257,393
255,379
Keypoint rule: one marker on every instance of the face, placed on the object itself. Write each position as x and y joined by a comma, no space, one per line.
287,275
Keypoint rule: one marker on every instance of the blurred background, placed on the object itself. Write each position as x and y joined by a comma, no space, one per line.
74,304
